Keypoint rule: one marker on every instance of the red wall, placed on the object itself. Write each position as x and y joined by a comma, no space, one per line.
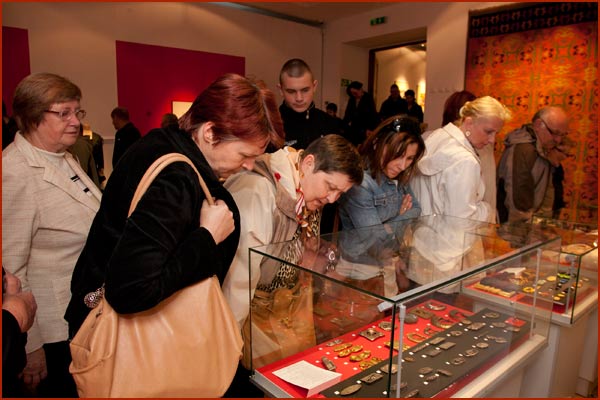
150,77
15,62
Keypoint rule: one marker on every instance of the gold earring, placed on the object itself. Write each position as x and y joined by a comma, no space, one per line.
468,133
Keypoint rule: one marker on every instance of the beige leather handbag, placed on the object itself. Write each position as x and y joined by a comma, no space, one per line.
189,345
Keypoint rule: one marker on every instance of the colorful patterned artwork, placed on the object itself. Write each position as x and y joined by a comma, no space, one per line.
554,62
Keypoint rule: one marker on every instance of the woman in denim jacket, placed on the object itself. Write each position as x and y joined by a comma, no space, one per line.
389,156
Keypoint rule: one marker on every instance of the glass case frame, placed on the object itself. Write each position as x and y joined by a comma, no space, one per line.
347,280
578,267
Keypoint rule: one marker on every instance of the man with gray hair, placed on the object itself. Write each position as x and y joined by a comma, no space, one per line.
531,154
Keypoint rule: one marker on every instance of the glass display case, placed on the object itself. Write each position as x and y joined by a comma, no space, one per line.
393,310
577,270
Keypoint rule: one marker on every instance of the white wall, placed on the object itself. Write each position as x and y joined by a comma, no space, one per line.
445,25
404,66
77,40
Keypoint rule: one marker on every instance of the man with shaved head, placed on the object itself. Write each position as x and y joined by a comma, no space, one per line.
530,157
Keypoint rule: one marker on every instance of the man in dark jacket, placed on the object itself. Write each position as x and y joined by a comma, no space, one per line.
361,116
531,155
126,133
302,121
394,104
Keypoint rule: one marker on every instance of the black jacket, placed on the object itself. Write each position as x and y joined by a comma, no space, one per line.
160,248
391,107
303,128
360,118
124,137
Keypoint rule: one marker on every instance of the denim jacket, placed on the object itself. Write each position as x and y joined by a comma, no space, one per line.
373,204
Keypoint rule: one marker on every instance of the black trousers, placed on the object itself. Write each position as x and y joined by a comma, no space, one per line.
59,382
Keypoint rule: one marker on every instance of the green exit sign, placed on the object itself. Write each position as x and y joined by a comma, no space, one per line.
377,21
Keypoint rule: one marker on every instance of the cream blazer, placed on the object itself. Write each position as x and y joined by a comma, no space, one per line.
45,222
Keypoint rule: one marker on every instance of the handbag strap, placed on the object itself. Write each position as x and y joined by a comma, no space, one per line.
157,166
92,299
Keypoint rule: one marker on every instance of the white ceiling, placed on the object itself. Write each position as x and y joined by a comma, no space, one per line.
317,12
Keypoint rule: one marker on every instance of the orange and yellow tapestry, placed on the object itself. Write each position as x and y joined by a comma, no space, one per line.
539,55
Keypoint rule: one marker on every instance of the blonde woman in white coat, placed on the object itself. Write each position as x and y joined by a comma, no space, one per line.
48,204
449,179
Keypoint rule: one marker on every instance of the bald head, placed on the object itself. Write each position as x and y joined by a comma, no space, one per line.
551,124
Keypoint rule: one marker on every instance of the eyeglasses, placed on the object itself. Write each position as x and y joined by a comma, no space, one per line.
65,115
553,132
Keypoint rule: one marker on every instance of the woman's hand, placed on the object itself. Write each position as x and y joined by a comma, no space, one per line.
35,369
406,203
217,219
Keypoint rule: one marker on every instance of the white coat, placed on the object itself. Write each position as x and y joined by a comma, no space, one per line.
449,180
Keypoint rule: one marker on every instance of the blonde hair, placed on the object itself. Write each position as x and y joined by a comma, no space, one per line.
485,106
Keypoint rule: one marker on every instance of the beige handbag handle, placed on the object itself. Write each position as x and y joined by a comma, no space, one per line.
155,169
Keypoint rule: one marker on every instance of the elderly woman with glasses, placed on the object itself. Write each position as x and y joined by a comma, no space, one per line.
389,157
48,204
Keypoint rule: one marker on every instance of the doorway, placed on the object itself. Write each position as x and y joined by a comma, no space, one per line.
404,65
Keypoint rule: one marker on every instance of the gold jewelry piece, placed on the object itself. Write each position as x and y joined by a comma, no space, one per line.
412,393
342,347
356,348
371,334
366,364
425,370
359,357
421,312
333,342
345,353
441,322
501,340
385,325
511,328
456,314
347,391
444,372
408,359
528,289
498,324
429,331
431,378
456,333
416,337
482,345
